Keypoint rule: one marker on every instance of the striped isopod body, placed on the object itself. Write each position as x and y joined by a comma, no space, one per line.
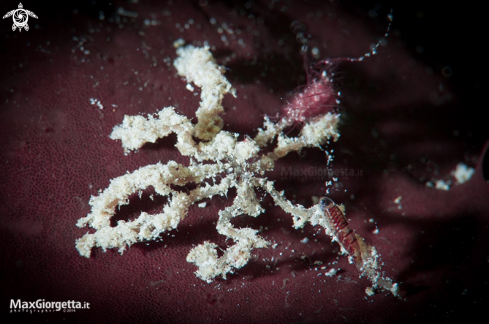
363,255
345,235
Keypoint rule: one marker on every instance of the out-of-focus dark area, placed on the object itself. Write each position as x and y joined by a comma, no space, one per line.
448,38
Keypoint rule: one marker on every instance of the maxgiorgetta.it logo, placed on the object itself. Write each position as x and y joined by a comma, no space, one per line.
43,306
20,17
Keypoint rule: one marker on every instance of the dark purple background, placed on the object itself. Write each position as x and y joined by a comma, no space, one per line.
403,122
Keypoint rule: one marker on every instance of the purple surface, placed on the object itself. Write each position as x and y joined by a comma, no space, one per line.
403,125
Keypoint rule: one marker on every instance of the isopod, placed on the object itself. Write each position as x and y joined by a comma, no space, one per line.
363,255
349,241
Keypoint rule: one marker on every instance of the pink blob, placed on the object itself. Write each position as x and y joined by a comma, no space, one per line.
317,98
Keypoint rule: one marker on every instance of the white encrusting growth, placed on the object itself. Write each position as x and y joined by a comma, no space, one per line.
462,173
238,164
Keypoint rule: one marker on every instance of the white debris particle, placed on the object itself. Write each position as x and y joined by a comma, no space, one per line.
179,42
442,185
305,240
331,272
376,231
369,291
315,52
202,204
96,102
398,202
152,22
189,87
462,173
